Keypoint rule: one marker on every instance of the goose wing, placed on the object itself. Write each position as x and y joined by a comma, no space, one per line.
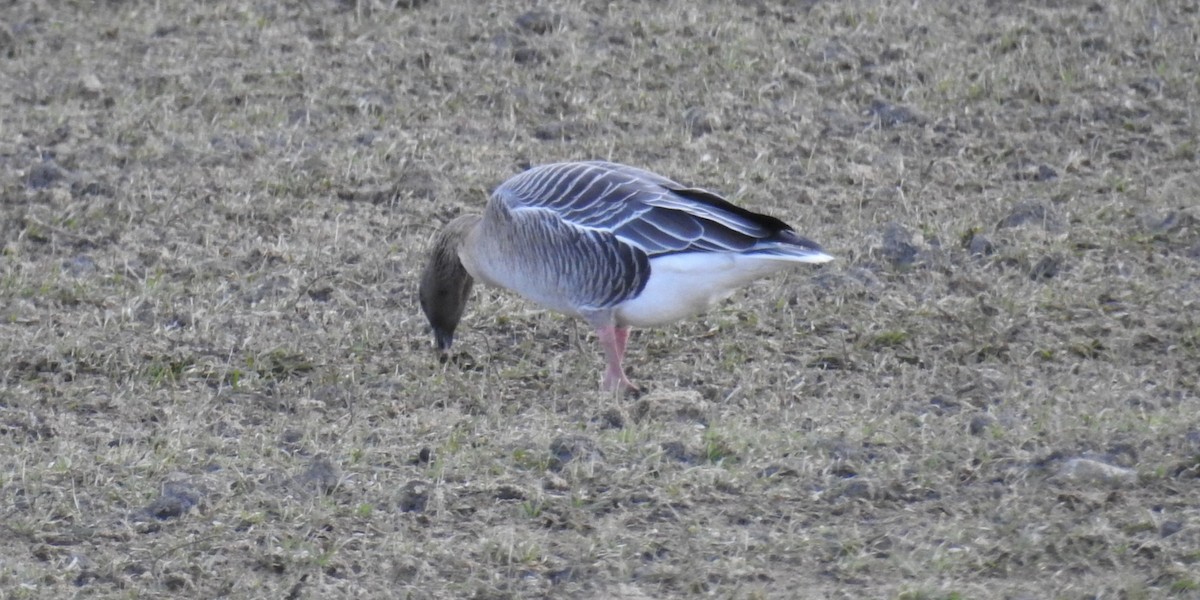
650,212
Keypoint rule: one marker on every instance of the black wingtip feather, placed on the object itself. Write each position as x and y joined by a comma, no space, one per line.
706,197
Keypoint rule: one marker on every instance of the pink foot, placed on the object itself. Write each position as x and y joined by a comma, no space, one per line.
613,339
616,382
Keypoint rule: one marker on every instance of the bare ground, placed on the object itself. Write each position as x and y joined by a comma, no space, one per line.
214,380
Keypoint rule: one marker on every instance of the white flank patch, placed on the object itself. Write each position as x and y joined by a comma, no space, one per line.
682,285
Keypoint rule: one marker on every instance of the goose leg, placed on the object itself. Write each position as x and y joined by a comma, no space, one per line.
622,335
613,339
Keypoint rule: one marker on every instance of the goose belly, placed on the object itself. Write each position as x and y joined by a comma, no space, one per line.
682,285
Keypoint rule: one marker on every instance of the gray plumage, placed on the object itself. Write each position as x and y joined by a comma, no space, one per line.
613,244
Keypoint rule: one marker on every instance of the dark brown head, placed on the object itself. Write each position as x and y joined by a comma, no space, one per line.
445,283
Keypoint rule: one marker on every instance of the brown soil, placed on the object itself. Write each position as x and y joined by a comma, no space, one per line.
215,381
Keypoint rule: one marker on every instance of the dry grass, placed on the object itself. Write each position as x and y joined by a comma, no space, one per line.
215,380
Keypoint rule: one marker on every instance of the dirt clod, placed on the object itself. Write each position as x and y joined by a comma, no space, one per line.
414,497
980,246
897,247
538,21
177,498
566,449
700,121
321,476
1045,268
889,115
678,451
1026,213
980,424
43,175
509,492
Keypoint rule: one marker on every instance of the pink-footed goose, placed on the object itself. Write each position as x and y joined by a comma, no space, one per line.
613,244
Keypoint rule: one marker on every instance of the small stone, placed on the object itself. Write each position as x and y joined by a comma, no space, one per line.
699,121
322,475
291,439
829,363
414,497
677,451
1031,171
177,498
1121,454
43,175
90,85
565,449
1046,268
508,492
321,294
539,21
1088,471
81,189
1025,213
1170,528
980,424
892,115
897,245
528,56
857,488
1045,173
554,483
980,246
612,419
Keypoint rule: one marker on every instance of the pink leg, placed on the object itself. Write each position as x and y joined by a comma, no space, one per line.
622,335
613,340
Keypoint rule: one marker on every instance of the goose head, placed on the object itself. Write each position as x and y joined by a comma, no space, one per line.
445,282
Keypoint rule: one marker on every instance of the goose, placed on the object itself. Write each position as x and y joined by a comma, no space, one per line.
615,245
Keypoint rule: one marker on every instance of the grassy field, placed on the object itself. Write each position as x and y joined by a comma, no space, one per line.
215,380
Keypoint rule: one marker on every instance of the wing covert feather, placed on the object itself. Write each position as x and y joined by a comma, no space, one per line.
640,208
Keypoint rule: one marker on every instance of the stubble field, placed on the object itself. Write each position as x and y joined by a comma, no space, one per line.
215,380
